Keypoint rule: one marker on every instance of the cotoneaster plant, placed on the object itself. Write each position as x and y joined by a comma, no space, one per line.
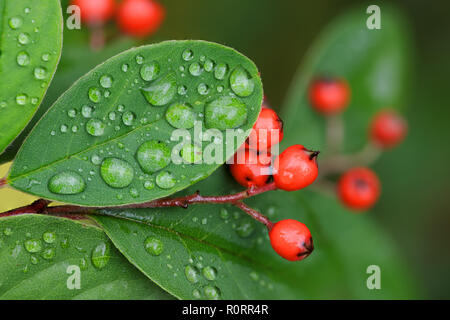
158,173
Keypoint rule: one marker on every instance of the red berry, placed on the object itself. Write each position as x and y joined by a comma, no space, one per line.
329,96
250,168
291,239
95,11
295,168
388,129
267,131
359,188
140,17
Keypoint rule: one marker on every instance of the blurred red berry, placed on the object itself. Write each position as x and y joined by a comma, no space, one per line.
388,129
359,188
140,18
267,131
329,96
295,168
250,168
95,11
291,239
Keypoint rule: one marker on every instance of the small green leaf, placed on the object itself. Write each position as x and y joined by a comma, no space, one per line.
374,62
115,128
41,257
30,47
209,251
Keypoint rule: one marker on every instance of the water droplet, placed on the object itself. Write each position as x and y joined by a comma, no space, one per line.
67,182
15,22
64,243
34,260
165,180
134,193
187,55
209,273
153,156
95,159
224,214
225,113
106,81
63,128
7,232
153,246
95,127
124,67
180,116
40,73
254,276
182,90
149,185
21,99
196,294
245,228
195,69
211,292
241,83
220,71
112,116
86,111
128,118
23,58
49,237
94,94
219,88
191,153
139,59
45,57
209,65
192,274
48,253
33,245
203,89
162,91
23,38
72,113
100,255
150,71
116,173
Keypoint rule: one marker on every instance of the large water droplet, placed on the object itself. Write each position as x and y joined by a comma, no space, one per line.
48,253
162,91
100,255
224,214
182,90
49,237
139,59
191,153
209,273
225,113
187,55
116,173
67,182
86,111
150,71
196,294
23,38
33,245
195,69
153,156
95,127
40,73
15,22
192,274
94,94
180,116
203,89
165,180
23,58
221,71
106,81
128,118
211,292
241,83
245,228
21,99
153,246
209,65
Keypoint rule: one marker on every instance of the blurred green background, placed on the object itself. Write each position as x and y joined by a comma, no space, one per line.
414,207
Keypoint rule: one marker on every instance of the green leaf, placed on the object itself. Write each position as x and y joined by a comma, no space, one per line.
30,48
112,111
40,253
374,62
222,237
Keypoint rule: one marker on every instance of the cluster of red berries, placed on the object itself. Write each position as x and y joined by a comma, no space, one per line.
139,18
358,188
294,169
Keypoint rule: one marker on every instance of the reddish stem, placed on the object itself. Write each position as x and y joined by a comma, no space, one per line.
37,206
254,214
3,182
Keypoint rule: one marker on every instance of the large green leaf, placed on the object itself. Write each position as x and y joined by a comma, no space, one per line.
374,62
238,249
37,253
30,47
72,142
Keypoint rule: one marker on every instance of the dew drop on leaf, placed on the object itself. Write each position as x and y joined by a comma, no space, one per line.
95,127
195,69
150,71
116,173
72,113
23,59
153,156
86,111
33,245
203,89
191,153
15,22
128,118
191,273
94,94
67,182
220,71
23,38
182,90
49,237
180,116
187,55
196,294
245,228
21,99
225,113
106,81
211,292
162,91
153,246
149,185
209,273
165,180
241,83
209,65
48,253
100,255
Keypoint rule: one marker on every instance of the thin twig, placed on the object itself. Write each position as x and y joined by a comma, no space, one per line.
3,182
254,214
334,133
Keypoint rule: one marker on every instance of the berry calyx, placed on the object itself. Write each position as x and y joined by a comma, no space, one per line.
291,239
140,18
359,188
295,168
329,96
267,131
388,129
251,169
95,11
